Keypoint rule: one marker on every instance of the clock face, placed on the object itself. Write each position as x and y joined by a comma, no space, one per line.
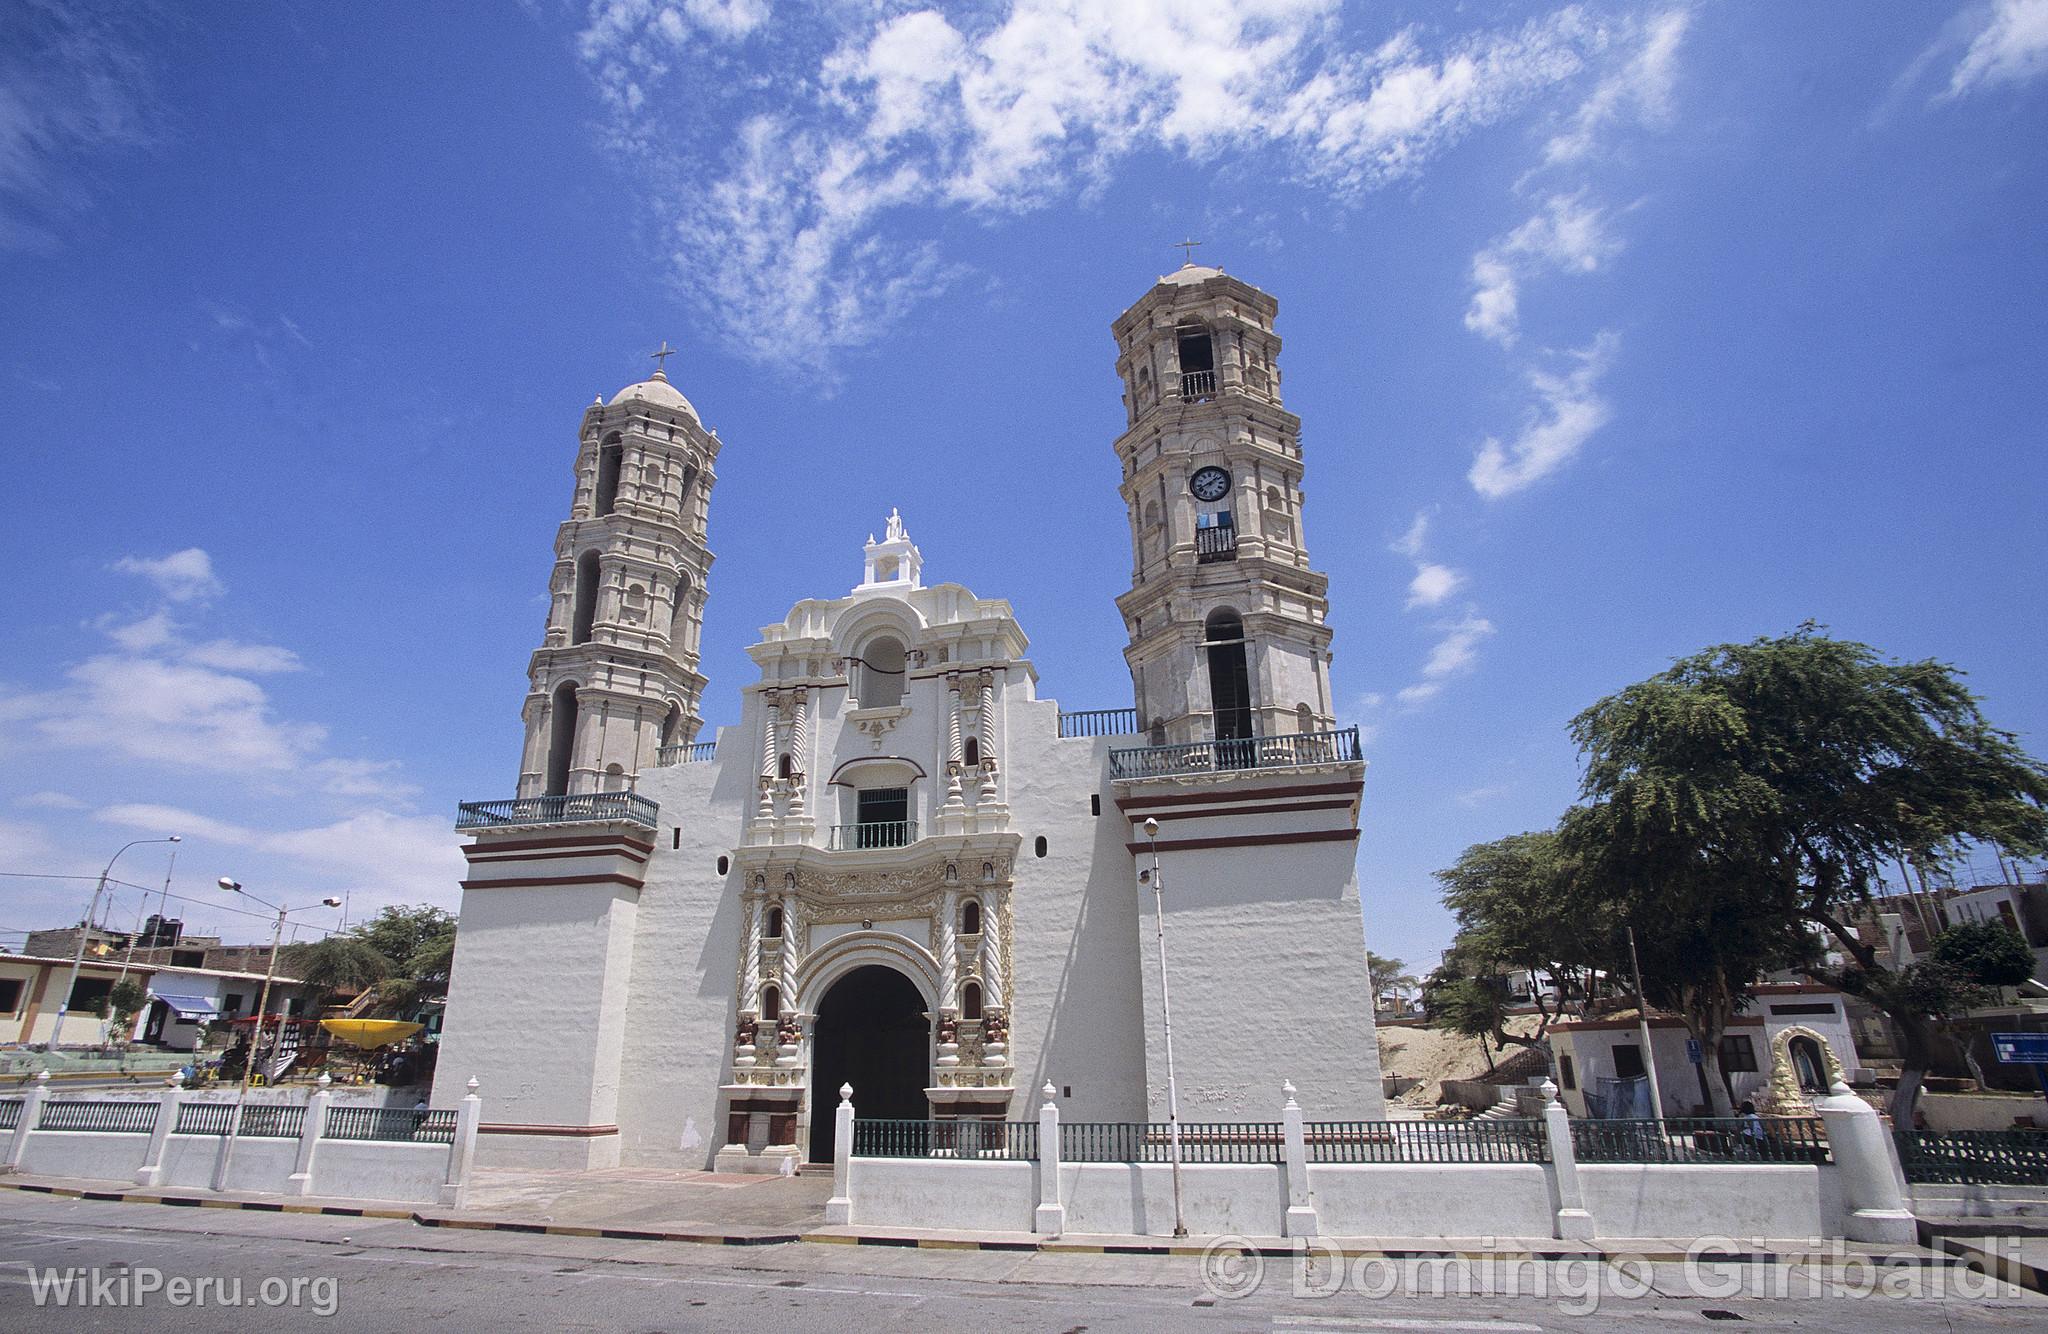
1210,484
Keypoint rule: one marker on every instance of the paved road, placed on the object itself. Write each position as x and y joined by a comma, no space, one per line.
391,1275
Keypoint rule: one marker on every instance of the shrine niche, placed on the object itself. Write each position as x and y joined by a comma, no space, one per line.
1803,1068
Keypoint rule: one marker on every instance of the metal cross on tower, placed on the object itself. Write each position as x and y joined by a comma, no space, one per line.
661,356
1187,250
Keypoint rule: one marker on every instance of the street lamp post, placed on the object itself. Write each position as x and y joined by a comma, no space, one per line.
1180,1226
78,954
233,886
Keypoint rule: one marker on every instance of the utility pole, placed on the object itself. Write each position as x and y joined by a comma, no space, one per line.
1643,1027
1180,1226
85,931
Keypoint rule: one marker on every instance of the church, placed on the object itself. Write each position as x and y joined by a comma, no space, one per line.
904,868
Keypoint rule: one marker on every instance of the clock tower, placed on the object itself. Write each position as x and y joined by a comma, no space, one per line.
1227,622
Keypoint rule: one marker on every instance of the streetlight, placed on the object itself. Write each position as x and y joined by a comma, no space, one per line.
234,886
78,954
1180,1226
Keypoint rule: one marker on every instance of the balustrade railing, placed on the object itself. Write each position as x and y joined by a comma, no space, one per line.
580,806
1197,384
1702,1139
1514,1140
259,1120
695,752
1258,752
1974,1157
10,1113
1216,542
391,1124
106,1117
1152,1142
1099,722
882,834
1000,1140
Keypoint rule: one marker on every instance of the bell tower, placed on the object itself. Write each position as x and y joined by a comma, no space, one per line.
1227,622
615,683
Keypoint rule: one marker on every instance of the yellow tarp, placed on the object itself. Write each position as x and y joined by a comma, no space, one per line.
370,1032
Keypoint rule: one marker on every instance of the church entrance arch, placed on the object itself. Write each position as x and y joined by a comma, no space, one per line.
870,1032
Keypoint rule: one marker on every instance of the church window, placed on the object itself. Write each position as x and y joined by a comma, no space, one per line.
970,1001
1304,718
672,726
1230,695
1197,361
783,766
683,492
1273,501
724,865
1095,803
610,456
970,918
1738,1054
883,815
679,613
1151,514
1038,849
585,613
971,751
678,840
771,1002
774,931
561,738
882,673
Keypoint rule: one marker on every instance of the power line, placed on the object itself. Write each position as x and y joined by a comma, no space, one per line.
209,904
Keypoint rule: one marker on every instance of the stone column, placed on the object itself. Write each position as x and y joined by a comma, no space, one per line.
152,1171
799,748
771,723
31,1114
1869,1179
839,1209
992,946
955,803
1050,1219
310,1130
750,954
987,795
1572,1223
788,957
1301,1215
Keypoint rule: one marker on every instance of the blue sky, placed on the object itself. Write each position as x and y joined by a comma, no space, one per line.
1616,330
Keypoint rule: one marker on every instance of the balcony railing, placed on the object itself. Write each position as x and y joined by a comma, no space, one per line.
1099,722
696,752
581,806
882,834
1217,542
1196,385
1254,752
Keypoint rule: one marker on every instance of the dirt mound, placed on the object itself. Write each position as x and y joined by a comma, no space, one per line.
1432,1055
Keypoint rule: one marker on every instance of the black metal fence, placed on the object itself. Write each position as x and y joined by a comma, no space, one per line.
1516,1140
259,1120
1012,1140
1702,1139
120,1118
10,1113
390,1124
1152,1142
1974,1157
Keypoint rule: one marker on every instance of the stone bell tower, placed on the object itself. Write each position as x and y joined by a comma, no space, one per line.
615,681
1226,620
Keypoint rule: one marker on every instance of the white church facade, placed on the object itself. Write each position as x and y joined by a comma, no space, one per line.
902,869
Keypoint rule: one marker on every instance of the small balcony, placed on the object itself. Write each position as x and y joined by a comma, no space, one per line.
1216,542
881,834
698,752
1099,722
1293,751
1196,386
577,808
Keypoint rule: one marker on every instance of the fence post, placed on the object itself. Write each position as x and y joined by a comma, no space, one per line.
1573,1222
152,1170
311,1128
31,1112
839,1209
1050,1218
1870,1184
1301,1215
468,1115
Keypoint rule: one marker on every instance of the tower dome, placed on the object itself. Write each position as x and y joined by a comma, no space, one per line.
656,390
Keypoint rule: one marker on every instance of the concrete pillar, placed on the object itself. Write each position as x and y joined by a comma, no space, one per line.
1301,1215
469,1114
310,1130
1573,1223
1050,1218
839,1209
31,1113
1864,1157
152,1170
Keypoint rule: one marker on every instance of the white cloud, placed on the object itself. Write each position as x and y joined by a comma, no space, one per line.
394,858
166,713
2010,47
1432,584
231,656
1567,235
1566,415
1409,544
1642,86
182,576
1420,692
1458,649
778,227
50,801
152,631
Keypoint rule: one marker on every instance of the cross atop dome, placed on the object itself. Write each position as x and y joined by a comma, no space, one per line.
894,562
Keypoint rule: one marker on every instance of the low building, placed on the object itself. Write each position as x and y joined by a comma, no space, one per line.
1601,1068
181,1001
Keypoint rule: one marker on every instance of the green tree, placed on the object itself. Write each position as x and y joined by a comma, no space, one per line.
1387,976
341,964
403,933
126,1000
1775,779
